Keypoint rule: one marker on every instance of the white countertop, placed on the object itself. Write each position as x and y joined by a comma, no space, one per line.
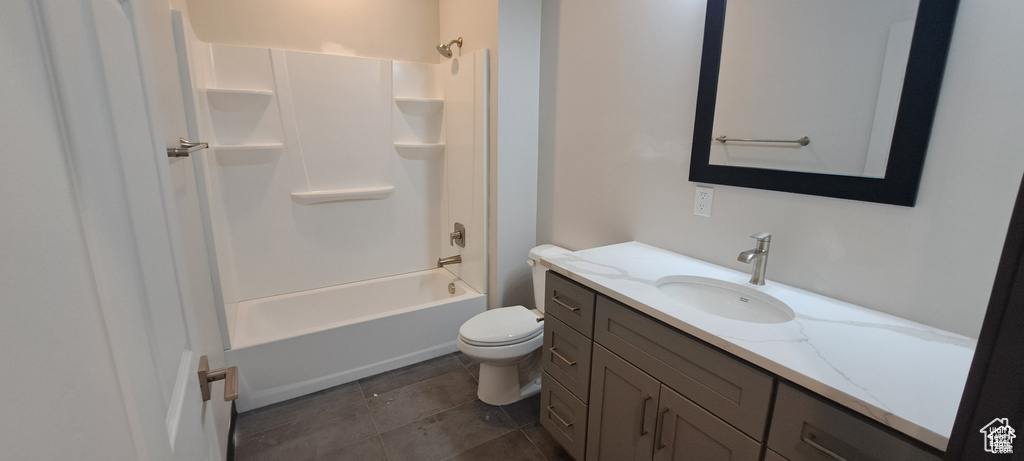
903,374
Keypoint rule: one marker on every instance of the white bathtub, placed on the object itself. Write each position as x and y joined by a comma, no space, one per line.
295,344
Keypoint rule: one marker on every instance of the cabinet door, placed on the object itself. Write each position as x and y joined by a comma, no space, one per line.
623,406
688,432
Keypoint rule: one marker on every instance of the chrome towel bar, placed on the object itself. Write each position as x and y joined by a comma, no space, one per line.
802,141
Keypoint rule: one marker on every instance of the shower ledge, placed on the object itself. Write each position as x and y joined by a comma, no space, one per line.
339,195
418,149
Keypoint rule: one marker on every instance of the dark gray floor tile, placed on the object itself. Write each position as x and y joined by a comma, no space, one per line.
261,419
412,374
332,427
513,446
464,359
524,411
545,443
410,403
447,433
370,449
474,370
275,445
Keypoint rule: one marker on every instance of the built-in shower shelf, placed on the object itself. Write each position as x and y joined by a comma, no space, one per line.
419,100
253,146
338,195
418,149
237,92
233,99
419,106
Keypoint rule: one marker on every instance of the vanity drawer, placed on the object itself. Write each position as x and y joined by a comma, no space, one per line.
735,392
564,416
566,357
569,302
805,428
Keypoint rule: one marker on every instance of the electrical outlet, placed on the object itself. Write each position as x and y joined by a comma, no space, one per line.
702,201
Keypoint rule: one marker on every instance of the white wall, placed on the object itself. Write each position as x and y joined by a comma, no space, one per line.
618,88
403,30
61,397
511,31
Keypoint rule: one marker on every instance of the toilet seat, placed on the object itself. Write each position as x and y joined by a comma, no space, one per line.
501,327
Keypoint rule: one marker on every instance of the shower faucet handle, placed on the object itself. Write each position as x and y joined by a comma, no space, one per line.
458,236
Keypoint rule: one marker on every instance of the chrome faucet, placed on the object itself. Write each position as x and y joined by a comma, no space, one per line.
757,258
441,262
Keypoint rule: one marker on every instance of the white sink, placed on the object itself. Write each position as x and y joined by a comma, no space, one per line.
725,299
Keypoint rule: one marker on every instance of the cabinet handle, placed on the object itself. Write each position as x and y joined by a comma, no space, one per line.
659,445
643,415
554,297
809,437
556,354
551,409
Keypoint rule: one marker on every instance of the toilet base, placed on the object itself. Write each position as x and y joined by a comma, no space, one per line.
505,383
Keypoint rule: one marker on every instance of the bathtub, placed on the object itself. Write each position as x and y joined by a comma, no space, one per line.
294,344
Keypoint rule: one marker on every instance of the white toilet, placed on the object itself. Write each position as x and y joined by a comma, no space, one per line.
506,342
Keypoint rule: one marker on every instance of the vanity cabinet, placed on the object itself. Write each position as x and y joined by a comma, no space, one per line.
807,428
619,385
633,416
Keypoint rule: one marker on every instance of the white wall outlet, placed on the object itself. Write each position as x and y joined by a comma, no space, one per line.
702,201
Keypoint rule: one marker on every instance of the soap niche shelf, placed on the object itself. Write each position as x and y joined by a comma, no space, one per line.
419,106
235,98
339,195
419,149
252,146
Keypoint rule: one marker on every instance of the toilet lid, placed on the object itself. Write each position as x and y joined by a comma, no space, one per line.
499,327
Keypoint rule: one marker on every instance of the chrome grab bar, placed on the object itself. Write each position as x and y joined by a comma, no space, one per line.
187,147
802,141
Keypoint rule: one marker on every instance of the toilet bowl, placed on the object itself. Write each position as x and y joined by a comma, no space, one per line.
506,341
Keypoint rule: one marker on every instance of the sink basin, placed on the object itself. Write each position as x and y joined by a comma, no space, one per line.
725,299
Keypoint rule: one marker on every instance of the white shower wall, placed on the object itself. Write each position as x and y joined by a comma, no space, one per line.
284,122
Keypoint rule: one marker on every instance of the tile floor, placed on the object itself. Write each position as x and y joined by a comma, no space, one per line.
428,411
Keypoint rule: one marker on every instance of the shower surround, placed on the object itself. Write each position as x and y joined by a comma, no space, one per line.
328,170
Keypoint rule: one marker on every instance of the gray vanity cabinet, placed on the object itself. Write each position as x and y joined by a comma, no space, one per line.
633,417
806,428
620,386
623,410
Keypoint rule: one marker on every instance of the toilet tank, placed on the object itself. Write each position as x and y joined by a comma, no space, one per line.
539,270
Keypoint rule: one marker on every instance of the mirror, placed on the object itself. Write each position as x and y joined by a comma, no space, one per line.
827,98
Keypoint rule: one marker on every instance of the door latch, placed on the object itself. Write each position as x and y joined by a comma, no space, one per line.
186,147
207,376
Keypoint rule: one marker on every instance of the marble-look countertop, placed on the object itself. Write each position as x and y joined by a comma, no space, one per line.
903,374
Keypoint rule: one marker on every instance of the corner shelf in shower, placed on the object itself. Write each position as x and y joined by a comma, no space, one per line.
253,146
418,149
233,97
338,195
419,106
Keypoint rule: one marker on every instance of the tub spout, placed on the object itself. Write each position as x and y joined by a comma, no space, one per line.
441,262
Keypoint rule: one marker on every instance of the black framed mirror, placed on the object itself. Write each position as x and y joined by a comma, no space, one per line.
914,112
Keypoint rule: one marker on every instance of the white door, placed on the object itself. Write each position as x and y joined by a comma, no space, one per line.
98,336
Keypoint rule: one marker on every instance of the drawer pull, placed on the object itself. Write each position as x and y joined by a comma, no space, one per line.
643,415
660,445
560,303
551,409
808,438
556,354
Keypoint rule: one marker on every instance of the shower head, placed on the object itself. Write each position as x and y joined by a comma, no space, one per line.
446,49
